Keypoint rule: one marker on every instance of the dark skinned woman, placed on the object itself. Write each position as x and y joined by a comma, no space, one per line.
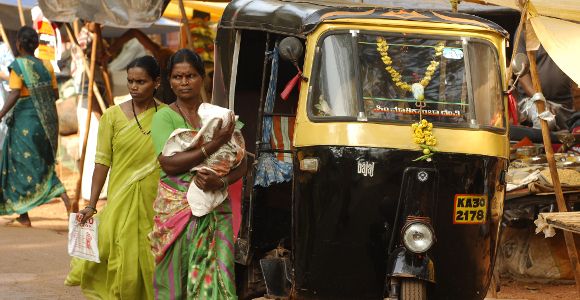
194,255
125,149
27,174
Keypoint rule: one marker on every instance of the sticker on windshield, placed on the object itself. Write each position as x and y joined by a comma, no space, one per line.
469,209
414,111
453,53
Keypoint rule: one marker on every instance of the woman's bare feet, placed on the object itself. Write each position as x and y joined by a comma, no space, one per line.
22,221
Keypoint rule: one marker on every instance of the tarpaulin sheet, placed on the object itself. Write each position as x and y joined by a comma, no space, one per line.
561,39
116,13
556,26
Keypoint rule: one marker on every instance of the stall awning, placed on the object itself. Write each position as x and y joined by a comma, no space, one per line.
561,39
561,9
214,9
115,13
556,26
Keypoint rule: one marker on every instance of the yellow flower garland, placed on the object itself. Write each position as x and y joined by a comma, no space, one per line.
423,136
383,48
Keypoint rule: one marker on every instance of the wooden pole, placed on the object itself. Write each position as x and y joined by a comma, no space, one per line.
185,23
5,37
96,37
560,201
21,13
518,33
109,90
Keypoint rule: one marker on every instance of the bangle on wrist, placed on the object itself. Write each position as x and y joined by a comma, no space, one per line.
92,208
225,182
204,152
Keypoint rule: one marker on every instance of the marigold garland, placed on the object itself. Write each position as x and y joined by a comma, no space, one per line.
383,48
423,136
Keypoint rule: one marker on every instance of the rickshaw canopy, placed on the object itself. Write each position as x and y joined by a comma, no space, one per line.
298,18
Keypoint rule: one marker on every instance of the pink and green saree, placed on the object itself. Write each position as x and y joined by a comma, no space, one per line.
193,255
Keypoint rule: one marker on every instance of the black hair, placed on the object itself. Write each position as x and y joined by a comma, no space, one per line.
188,56
147,63
28,38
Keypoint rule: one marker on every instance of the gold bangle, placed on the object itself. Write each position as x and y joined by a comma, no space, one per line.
204,152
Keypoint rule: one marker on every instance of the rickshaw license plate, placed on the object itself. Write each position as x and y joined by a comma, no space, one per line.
469,209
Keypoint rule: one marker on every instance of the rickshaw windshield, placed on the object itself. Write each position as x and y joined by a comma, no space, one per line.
362,76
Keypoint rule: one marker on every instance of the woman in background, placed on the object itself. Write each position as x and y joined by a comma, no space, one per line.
27,167
125,149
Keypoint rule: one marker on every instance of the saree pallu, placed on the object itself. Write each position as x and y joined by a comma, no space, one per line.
27,167
127,264
194,255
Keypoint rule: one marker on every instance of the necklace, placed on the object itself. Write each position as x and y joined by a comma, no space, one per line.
416,88
137,120
186,119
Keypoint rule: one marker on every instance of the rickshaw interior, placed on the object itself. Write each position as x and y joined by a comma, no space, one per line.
272,203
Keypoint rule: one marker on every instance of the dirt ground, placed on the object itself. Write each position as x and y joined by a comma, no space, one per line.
34,263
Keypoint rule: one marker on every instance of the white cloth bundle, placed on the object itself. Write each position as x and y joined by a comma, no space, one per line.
221,162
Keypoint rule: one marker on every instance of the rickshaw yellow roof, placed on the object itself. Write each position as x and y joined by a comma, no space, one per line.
215,9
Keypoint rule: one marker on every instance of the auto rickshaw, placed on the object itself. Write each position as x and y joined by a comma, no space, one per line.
379,138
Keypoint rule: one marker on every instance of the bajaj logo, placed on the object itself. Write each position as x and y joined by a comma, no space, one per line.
366,168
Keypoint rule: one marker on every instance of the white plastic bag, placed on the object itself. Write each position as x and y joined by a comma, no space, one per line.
83,239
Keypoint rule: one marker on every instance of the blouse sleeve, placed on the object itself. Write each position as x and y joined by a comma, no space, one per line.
14,82
104,155
161,128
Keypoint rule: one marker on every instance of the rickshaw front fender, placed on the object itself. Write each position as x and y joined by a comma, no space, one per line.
406,264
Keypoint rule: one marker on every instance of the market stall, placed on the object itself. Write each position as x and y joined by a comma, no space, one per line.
544,182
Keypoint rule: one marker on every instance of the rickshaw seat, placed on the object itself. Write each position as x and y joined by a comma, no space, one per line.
282,135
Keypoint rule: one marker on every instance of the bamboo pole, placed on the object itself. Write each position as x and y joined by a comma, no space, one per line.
96,37
21,13
185,24
5,37
560,201
109,90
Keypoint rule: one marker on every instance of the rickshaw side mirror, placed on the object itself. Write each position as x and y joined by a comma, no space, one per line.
520,64
290,49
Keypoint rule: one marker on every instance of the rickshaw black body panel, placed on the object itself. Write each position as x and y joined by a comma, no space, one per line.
344,221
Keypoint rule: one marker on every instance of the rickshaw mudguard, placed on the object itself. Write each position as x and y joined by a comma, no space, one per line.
405,264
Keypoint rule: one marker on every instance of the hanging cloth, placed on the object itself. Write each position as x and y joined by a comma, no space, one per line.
269,169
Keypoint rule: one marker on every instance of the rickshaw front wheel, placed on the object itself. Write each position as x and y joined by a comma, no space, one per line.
413,289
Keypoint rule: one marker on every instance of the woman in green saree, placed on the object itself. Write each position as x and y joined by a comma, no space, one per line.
194,255
125,149
27,173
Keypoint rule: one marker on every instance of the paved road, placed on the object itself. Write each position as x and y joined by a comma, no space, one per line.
34,261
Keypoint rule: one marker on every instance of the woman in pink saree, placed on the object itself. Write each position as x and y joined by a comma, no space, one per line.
194,255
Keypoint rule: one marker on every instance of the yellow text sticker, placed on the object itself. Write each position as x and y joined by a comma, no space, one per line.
469,209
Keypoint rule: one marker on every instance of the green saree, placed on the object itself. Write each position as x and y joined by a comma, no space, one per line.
27,174
126,268
194,255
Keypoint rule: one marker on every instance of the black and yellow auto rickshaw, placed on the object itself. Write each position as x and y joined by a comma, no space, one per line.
380,146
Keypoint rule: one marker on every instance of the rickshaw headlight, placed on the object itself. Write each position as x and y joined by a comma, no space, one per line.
418,237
